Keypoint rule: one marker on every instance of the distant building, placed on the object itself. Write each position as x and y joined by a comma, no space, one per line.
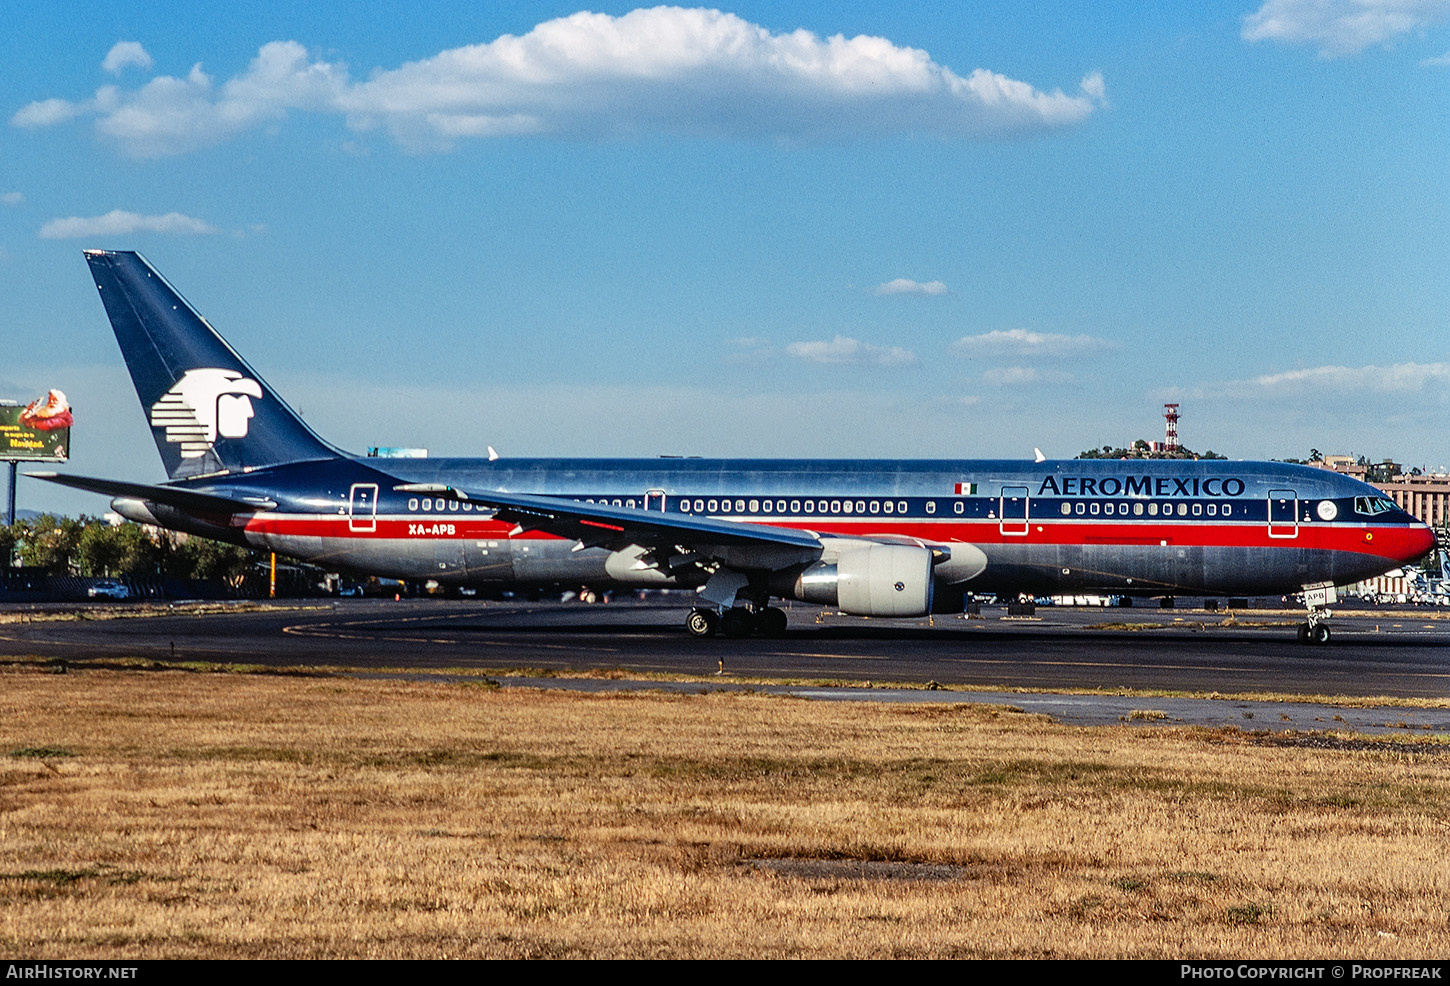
1424,497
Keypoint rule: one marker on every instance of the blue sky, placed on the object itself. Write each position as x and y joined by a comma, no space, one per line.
785,229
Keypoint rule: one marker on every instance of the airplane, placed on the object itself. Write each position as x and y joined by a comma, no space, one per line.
887,538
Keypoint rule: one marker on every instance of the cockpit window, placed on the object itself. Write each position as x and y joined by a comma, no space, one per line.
1371,506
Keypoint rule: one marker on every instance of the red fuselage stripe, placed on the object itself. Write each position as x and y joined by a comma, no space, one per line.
1395,541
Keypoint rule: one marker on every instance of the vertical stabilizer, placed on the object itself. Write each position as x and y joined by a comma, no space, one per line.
208,410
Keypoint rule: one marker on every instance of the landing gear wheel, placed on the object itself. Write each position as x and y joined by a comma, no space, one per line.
1304,632
1319,634
702,623
771,622
736,622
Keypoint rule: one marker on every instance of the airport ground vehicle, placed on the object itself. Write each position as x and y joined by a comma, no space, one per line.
871,537
108,589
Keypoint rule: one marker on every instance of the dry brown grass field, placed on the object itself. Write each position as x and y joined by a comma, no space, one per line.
154,814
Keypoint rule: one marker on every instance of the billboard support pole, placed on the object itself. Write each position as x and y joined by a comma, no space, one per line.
10,499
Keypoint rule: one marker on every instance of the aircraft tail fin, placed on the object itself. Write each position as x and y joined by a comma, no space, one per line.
209,411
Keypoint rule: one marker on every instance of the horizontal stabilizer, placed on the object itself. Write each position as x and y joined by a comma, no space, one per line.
187,500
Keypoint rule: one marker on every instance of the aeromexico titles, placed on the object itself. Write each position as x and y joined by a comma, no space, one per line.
871,537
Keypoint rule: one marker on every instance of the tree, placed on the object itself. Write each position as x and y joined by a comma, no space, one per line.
9,534
1140,450
124,549
215,561
49,543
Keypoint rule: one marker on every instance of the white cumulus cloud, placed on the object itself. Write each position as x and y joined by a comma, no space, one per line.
845,351
1017,343
171,116
1342,27
671,70
13,198
46,113
904,285
119,223
124,53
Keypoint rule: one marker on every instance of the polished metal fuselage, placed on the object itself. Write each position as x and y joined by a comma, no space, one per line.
1147,527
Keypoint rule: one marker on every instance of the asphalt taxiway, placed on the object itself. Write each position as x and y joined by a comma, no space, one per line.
1398,653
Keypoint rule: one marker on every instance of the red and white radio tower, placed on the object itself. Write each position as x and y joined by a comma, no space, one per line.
1170,414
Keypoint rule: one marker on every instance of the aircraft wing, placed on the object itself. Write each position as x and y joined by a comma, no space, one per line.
182,499
738,545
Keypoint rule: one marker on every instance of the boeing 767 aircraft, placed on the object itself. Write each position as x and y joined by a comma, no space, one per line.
877,537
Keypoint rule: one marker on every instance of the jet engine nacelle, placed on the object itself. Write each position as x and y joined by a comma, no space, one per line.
871,580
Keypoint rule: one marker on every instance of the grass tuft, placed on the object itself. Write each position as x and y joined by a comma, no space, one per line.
41,752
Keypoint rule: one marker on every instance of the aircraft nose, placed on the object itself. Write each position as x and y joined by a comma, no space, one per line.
1420,542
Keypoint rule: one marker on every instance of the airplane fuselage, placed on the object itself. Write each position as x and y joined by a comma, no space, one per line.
1146,527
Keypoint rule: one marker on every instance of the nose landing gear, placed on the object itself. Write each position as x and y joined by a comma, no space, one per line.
1317,597
1314,632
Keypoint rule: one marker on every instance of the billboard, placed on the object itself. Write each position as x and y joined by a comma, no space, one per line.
37,432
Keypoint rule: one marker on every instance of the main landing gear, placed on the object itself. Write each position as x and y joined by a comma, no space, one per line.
737,621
